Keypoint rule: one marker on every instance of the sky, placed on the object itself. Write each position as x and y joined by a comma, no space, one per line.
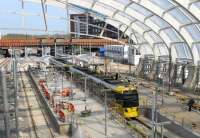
8,20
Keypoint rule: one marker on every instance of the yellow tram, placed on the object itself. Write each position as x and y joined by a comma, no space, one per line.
127,100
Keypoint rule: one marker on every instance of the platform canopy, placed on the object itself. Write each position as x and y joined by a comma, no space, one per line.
156,26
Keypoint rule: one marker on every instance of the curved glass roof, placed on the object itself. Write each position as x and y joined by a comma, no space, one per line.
154,25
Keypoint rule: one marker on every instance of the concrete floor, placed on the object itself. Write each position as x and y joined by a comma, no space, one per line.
173,109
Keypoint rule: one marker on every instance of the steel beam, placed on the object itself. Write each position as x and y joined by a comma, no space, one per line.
44,14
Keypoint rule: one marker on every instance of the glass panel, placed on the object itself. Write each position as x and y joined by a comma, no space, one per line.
194,32
145,49
164,4
187,50
124,2
198,48
123,27
140,9
123,18
112,22
182,50
129,32
140,38
162,49
103,9
126,16
159,22
113,3
196,4
180,16
172,34
154,36
83,3
143,26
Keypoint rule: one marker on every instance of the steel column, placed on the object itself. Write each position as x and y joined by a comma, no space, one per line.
5,104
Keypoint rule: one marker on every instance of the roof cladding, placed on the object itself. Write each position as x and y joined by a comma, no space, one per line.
162,24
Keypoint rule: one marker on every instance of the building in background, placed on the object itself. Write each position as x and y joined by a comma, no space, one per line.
122,53
79,26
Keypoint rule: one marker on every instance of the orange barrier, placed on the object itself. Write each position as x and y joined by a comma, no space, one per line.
66,92
63,109
51,42
44,89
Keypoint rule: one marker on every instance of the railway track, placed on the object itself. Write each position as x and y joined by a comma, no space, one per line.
40,126
136,126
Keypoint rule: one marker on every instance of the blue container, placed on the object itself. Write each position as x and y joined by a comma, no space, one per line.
102,51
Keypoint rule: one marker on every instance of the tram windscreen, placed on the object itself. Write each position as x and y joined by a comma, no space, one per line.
127,100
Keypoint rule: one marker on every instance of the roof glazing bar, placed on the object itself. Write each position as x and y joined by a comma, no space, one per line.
192,2
127,28
146,31
165,28
188,24
131,2
147,17
170,9
44,14
93,4
197,42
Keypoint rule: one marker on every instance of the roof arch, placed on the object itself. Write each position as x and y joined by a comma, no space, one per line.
176,25
113,12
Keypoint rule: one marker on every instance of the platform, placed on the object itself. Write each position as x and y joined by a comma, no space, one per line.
93,125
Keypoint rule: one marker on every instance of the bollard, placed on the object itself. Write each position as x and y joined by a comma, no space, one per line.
174,117
182,122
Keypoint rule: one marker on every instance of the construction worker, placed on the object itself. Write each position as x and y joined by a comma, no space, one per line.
190,104
117,76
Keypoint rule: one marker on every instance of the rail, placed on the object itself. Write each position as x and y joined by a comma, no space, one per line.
50,131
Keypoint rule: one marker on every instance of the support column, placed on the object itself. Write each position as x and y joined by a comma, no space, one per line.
15,91
55,48
42,51
80,49
25,52
90,50
5,103
183,74
105,102
129,68
170,68
134,55
85,90
153,110
192,80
